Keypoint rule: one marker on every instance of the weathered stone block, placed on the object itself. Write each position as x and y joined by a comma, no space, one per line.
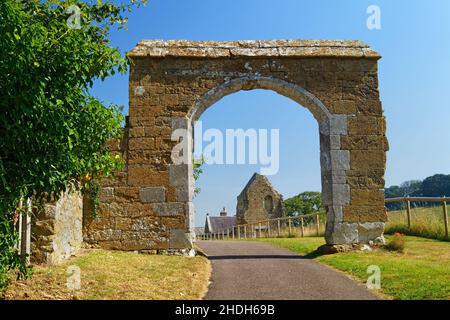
335,142
340,160
180,239
180,175
370,231
184,193
344,107
367,159
335,214
365,125
180,123
338,124
60,236
366,197
374,213
125,194
170,208
341,194
152,194
147,176
339,233
141,143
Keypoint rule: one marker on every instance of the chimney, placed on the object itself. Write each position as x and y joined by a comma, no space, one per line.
223,213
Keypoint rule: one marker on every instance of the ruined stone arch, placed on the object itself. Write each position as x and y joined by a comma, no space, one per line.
149,206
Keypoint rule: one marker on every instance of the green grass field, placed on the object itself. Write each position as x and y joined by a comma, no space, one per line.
421,272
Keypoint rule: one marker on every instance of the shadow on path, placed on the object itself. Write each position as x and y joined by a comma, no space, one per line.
253,256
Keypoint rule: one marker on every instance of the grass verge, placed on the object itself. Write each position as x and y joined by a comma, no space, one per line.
422,272
118,276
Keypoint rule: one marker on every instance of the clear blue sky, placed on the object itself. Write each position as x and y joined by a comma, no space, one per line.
414,82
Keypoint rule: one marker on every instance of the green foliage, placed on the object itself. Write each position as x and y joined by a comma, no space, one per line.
8,257
92,191
53,132
304,203
436,186
197,171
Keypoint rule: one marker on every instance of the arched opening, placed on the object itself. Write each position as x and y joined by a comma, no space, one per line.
295,168
268,204
330,126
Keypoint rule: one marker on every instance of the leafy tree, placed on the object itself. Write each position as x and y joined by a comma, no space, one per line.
436,186
53,132
411,187
304,203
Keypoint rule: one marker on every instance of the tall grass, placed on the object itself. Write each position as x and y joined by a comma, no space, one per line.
425,222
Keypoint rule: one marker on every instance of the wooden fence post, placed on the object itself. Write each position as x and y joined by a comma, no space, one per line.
444,205
268,229
245,231
259,226
408,212
279,226
290,228
302,226
317,224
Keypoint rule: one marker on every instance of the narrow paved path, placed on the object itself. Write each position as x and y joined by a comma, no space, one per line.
257,271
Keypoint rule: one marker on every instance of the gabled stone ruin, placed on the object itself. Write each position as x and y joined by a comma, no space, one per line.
258,201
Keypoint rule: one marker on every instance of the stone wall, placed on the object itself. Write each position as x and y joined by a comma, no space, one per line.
172,83
258,201
56,230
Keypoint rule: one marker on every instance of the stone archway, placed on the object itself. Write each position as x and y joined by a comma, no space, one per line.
173,82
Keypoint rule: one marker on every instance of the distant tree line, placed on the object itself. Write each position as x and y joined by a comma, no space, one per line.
434,186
